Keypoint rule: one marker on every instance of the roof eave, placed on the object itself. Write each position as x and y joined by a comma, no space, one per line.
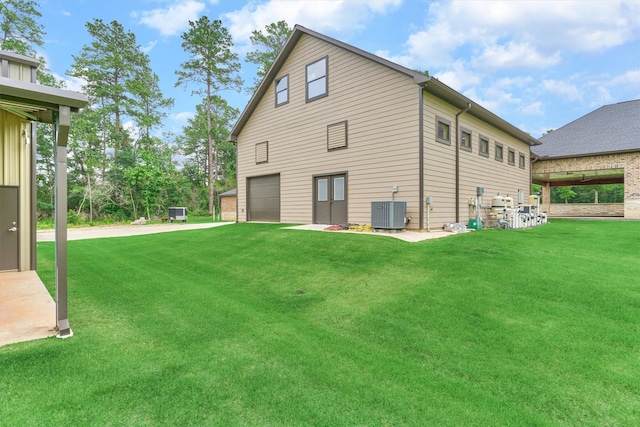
35,94
573,156
444,92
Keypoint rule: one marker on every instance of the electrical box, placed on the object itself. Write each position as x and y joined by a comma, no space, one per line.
479,191
429,200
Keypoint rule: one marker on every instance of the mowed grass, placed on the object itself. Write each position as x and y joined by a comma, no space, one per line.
252,324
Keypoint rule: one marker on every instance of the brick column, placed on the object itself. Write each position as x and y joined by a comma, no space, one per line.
545,205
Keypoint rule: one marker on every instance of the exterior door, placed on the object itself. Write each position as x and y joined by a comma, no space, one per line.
330,200
263,198
9,232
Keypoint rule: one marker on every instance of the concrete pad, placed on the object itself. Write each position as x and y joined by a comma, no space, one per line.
123,230
406,235
27,311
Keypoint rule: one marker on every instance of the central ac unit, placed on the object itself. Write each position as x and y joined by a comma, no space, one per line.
389,215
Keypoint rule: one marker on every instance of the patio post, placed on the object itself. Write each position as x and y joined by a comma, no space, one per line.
63,120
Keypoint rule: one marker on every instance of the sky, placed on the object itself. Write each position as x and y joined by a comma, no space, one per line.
537,64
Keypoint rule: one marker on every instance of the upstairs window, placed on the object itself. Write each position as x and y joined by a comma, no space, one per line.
465,139
499,152
317,79
511,157
282,90
523,159
443,129
484,146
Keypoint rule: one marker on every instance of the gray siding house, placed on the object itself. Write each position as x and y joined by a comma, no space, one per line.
333,128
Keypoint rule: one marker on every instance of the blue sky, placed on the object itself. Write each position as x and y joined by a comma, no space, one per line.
538,64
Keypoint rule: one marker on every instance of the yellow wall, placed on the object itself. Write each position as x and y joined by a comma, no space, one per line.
15,170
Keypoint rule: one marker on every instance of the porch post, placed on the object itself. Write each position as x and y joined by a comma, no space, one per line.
62,135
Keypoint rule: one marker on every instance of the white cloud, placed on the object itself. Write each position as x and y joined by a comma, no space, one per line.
71,83
173,19
149,46
459,76
562,89
631,77
515,55
518,34
322,16
533,109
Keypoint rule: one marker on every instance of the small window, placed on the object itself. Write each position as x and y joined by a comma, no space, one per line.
511,157
484,146
465,139
282,90
262,152
443,128
323,190
522,161
499,151
337,136
317,79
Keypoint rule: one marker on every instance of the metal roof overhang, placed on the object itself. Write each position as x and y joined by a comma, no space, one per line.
32,101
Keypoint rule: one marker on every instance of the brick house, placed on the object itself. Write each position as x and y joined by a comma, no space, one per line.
601,147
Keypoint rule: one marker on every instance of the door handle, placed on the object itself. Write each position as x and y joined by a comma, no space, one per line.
13,229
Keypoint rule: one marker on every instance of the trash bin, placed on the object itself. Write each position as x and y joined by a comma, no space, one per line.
475,223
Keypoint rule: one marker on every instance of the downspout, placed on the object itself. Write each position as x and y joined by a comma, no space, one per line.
457,140
421,200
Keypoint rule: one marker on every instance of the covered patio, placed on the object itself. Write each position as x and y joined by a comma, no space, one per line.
23,103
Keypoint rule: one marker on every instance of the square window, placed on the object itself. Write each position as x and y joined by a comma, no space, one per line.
443,129
499,151
465,139
282,90
484,146
511,157
522,161
317,79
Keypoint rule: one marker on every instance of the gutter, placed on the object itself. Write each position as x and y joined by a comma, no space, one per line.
461,112
421,200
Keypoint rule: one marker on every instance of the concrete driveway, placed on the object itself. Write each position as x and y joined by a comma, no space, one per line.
124,230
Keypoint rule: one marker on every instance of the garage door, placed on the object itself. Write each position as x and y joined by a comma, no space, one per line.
264,198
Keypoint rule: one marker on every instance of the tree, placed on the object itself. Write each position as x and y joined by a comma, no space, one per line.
110,65
20,30
213,67
566,193
269,43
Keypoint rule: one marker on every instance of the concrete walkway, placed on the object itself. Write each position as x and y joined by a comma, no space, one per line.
27,311
124,230
407,236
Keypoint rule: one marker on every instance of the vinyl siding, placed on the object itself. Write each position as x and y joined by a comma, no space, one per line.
381,108
475,170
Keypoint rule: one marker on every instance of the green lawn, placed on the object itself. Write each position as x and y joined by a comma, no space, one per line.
250,324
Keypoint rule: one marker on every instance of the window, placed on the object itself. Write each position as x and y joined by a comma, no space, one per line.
465,139
317,79
484,146
511,157
337,136
499,151
523,160
262,152
443,129
282,90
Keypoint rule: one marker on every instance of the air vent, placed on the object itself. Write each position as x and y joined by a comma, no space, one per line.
388,215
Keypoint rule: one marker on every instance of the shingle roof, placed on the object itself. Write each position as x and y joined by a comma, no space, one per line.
609,129
233,192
